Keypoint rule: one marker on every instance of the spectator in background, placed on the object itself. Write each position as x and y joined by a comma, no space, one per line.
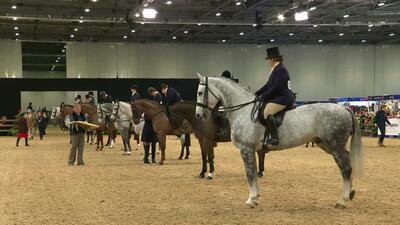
89,98
381,120
78,99
155,94
22,129
31,124
134,93
77,136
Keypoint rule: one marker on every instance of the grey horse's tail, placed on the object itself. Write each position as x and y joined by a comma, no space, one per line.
356,150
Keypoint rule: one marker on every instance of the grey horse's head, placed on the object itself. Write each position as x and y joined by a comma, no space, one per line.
206,98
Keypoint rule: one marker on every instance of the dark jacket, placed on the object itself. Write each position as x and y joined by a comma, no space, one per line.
158,98
75,117
41,122
106,99
172,97
277,90
381,118
22,125
135,96
148,134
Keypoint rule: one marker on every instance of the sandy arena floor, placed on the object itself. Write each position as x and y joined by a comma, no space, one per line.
300,187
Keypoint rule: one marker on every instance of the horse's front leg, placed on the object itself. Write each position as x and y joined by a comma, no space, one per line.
249,159
261,161
162,143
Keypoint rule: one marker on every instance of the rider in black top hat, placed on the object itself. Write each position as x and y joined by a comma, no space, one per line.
156,95
276,92
171,97
105,98
134,93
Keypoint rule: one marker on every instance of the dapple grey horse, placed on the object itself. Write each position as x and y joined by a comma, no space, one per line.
122,115
329,124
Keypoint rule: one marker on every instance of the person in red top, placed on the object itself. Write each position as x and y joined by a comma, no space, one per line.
22,123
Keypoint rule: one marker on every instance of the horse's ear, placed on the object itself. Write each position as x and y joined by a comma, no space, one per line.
201,78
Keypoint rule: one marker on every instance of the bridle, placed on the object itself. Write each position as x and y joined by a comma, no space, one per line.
220,110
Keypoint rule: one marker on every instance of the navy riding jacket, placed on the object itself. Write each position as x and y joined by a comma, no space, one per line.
135,96
277,90
381,118
172,97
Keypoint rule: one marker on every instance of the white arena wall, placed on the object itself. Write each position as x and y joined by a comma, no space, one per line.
317,72
10,59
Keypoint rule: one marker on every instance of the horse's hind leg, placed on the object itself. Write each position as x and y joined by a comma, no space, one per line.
249,159
203,158
342,159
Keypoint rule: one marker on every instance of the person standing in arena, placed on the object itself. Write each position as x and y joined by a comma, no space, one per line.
77,134
41,123
155,94
149,139
22,129
381,120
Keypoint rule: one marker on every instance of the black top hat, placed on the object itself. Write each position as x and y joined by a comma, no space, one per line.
273,53
164,85
227,74
134,87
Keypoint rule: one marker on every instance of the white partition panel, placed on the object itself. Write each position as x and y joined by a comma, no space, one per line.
10,59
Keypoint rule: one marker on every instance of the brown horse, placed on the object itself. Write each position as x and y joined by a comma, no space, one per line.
91,111
204,130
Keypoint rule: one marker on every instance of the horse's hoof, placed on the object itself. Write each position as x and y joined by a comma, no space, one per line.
260,174
180,158
202,175
160,163
209,177
187,157
352,193
339,206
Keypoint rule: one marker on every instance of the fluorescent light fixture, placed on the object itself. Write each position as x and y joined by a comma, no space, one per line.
146,4
346,16
137,14
72,36
370,25
185,31
238,3
312,8
218,14
94,0
254,25
14,7
241,33
80,21
341,34
315,25
16,34
15,18
301,16
169,2
363,41
281,17
291,34
149,13
223,41
391,35
133,31
272,40
63,50
76,29
320,41
15,28
199,24
87,10
369,30
174,37
142,23
381,4
125,37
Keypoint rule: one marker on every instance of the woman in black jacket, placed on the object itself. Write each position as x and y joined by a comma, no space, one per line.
276,93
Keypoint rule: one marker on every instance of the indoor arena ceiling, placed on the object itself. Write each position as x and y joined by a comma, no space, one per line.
203,21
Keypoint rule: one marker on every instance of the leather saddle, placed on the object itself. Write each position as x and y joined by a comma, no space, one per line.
278,117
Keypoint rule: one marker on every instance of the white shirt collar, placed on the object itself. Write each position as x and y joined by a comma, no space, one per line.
274,66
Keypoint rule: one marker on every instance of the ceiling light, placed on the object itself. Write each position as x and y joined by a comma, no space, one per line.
137,14
241,33
281,17
174,37
94,0
142,23
341,34
391,35
75,29
185,31
238,3
254,25
125,37
381,4
315,25
15,28
291,34
15,18
16,34
363,41
63,50
320,41
369,30
146,4
56,61
133,31
370,25
87,10
72,36
80,21
59,58
199,24
223,41
272,40
301,16
346,16
14,7
312,8
169,2
149,13
218,14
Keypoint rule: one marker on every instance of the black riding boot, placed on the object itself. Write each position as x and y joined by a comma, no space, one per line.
272,126
26,142
146,146
153,152
18,141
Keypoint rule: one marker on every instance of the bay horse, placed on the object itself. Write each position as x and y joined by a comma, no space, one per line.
329,125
